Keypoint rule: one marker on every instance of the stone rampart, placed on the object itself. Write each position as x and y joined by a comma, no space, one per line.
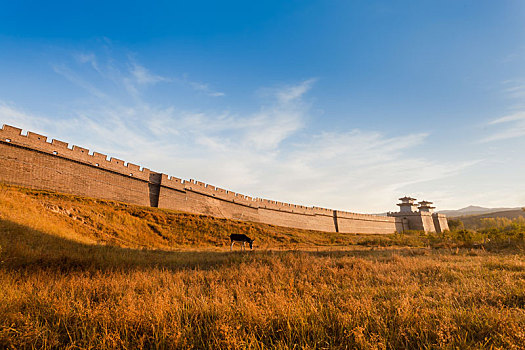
30,160
440,222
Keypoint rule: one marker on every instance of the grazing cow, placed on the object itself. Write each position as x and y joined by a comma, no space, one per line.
242,238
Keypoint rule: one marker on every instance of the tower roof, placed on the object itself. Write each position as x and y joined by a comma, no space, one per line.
406,199
426,205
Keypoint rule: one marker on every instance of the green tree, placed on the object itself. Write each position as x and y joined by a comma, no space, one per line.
455,224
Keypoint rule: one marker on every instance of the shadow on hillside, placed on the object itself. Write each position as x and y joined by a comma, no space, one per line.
24,248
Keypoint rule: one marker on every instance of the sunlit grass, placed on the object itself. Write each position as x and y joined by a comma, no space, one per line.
65,283
107,222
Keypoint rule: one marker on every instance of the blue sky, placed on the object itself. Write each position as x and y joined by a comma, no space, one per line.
340,104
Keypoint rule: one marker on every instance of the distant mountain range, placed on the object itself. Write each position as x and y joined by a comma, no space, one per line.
481,211
476,210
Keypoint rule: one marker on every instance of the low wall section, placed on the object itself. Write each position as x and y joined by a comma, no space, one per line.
363,223
30,160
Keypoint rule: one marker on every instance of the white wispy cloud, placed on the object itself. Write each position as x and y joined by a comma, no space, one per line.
144,76
9,114
270,152
514,88
293,92
132,76
79,81
205,88
518,116
89,58
510,126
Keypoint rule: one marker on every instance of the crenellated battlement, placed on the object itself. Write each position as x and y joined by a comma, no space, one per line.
59,166
59,148
357,216
172,182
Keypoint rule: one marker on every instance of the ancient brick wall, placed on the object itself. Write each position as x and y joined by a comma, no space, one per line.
440,222
317,222
362,223
428,222
30,160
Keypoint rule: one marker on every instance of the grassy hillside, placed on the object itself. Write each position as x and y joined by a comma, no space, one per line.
475,222
81,273
95,221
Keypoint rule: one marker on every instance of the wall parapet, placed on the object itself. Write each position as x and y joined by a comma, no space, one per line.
172,182
286,213
367,217
58,148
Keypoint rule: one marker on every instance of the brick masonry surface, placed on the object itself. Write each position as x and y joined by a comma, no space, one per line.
30,160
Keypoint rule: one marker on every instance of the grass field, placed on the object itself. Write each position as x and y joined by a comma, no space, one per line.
84,273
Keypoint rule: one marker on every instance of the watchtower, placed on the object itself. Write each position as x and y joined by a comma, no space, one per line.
407,205
419,216
425,206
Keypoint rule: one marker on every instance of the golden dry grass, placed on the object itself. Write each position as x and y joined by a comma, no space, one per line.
60,288
96,221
